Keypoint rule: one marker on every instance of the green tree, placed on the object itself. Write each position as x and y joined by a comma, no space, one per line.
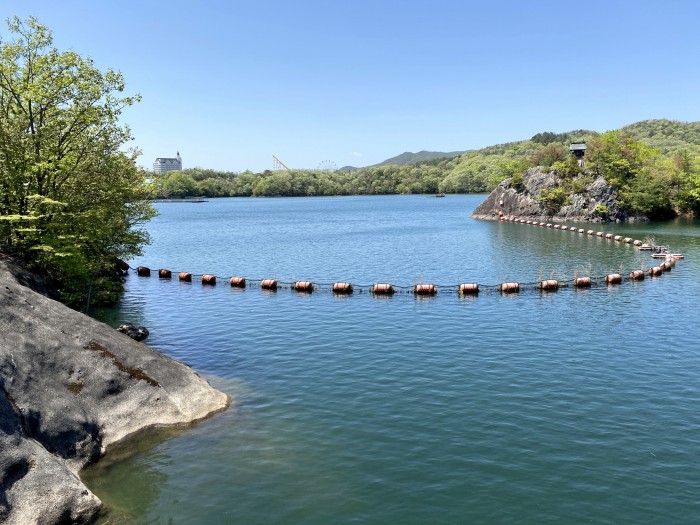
178,185
618,157
71,200
548,155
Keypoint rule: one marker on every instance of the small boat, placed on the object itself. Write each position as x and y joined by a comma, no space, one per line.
660,255
646,247
676,256
439,194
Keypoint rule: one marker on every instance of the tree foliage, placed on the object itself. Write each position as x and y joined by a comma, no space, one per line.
70,199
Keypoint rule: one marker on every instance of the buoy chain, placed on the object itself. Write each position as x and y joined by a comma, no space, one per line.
425,289
546,285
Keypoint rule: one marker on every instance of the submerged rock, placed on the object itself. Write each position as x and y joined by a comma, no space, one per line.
137,334
70,387
596,200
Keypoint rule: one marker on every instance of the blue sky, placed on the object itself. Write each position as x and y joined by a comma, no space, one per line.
230,83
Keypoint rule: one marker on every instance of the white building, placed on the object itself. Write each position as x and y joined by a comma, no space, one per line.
163,164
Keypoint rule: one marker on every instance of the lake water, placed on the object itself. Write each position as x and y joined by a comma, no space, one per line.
533,408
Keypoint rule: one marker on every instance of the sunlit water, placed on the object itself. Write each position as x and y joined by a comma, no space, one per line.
565,407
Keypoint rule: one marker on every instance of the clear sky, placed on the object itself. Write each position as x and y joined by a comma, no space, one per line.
230,83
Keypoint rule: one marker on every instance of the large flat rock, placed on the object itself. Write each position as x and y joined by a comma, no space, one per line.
69,387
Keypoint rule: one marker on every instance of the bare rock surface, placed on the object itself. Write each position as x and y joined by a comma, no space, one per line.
523,201
69,387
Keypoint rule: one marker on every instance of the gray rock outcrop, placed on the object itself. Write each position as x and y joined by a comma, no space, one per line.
70,387
595,202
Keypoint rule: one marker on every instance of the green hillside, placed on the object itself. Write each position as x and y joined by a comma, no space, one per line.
668,136
654,163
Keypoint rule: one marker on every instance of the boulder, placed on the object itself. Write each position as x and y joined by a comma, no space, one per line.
71,386
137,334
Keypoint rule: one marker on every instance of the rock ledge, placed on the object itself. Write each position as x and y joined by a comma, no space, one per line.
70,387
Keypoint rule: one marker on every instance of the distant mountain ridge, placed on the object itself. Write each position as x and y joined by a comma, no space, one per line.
409,157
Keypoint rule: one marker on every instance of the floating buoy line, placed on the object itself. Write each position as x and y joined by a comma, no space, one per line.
429,290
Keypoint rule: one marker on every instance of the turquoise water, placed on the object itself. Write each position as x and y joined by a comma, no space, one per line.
566,407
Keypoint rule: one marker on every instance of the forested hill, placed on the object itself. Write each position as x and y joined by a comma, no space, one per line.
656,164
409,157
668,136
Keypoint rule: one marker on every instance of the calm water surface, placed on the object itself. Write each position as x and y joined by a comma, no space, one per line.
566,407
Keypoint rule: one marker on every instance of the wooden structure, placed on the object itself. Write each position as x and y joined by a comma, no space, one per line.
578,149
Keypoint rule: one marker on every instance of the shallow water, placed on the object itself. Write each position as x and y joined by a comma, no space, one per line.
565,407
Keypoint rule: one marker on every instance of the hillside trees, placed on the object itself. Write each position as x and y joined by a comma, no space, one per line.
651,179
70,200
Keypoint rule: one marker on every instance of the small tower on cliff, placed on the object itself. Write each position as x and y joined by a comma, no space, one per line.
578,149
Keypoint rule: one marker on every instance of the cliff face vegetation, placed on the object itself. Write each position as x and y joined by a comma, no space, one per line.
545,195
622,179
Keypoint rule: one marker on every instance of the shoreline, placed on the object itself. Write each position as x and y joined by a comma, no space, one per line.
71,388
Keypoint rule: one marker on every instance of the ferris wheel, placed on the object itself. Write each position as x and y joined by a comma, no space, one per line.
327,166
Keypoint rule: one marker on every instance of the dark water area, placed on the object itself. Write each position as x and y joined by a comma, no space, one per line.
578,406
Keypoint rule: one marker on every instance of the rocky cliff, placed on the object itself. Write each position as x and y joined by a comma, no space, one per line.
69,387
583,198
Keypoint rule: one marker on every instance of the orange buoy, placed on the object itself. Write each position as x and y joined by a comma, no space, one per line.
613,278
637,275
164,274
618,238
425,289
543,224
627,240
342,288
608,235
557,226
510,287
656,270
268,284
590,232
666,266
383,289
582,282
581,230
549,284
209,279
123,265
185,276
303,286
237,282
550,225
468,288
637,243
143,271
600,234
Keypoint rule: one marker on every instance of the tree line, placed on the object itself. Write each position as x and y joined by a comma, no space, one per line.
655,165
